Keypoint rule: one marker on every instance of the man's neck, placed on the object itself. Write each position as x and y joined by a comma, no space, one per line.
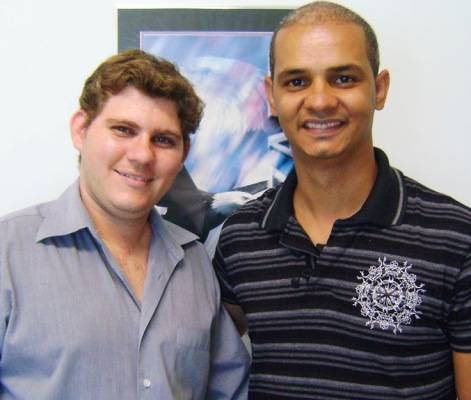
128,241
329,190
129,246
125,234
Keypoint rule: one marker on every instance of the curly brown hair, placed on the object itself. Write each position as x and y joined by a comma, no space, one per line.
154,77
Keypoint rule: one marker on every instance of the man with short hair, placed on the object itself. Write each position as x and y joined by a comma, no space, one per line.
99,297
352,279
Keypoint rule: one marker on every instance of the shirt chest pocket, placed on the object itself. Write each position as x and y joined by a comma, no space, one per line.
187,362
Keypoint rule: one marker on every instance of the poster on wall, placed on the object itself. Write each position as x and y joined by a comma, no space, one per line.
239,150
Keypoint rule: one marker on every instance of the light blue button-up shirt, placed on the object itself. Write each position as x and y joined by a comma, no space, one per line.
71,327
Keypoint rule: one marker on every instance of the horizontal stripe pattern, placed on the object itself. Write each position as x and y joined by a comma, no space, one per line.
309,338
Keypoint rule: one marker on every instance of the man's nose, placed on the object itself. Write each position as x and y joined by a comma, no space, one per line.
141,150
321,98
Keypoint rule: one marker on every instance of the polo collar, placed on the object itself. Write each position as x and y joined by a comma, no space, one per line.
384,206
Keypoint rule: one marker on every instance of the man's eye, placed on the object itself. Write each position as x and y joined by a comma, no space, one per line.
123,130
164,141
344,80
296,82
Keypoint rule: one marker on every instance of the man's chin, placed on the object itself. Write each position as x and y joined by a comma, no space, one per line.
131,210
322,154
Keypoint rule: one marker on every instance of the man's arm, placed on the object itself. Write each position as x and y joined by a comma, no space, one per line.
462,367
234,310
230,361
238,317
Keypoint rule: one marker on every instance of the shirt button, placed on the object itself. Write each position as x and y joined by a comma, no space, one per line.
146,382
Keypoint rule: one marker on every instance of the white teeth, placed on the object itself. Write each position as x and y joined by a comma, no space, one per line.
136,177
322,124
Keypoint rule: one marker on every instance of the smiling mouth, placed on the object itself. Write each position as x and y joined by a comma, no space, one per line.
137,178
323,125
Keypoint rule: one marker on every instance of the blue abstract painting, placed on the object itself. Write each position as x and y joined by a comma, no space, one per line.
232,147
239,150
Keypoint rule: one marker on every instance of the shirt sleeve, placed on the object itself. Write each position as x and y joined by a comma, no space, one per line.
219,264
460,317
230,361
5,302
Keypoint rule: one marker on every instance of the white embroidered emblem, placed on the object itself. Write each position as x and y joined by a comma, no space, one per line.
388,295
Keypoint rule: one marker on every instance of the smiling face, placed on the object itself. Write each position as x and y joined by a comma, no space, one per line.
130,154
323,90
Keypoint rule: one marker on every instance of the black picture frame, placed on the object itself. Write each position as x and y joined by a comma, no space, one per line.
131,22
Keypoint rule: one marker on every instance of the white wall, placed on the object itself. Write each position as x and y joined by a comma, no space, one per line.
49,47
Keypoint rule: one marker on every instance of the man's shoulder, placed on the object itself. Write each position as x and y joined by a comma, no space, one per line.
26,217
441,214
253,211
418,193
21,226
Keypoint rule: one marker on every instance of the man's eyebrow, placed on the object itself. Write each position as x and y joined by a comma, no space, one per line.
291,72
346,68
123,121
337,69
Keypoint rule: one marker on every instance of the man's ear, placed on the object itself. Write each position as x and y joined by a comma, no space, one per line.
269,91
382,87
78,128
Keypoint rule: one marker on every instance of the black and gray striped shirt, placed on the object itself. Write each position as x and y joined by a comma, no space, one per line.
374,314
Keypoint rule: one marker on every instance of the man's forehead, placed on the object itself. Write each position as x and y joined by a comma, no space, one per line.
343,43
316,29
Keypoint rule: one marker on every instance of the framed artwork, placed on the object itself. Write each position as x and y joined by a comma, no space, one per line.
239,149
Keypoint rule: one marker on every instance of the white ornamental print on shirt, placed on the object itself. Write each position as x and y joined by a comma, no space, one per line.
388,295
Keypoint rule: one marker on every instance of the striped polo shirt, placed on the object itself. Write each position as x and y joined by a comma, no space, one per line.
374,314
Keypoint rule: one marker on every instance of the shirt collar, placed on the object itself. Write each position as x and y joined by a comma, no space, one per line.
170,232
65,215
384,206
68,214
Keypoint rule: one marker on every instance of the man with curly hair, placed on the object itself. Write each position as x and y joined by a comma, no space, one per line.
100,298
